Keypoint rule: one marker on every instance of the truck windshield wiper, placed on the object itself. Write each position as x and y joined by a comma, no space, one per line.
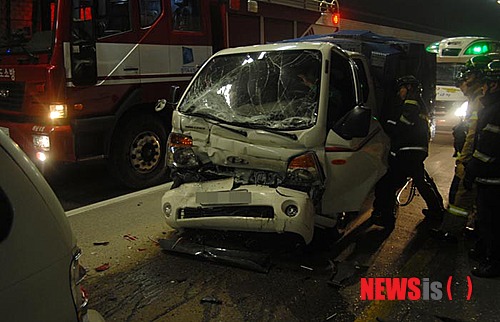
31,56
8,47
214,121
241,132
285,134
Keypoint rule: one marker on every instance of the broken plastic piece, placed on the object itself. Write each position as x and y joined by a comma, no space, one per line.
249,260
210,299
102,268
130,237
344,271
153,240
101,243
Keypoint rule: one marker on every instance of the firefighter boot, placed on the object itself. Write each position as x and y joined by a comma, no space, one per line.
451,228
386,219
435,217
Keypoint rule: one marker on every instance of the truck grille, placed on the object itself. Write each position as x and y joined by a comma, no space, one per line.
11,96
231,211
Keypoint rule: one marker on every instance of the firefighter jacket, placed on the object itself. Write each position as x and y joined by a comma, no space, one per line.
409,131
473,109
484,166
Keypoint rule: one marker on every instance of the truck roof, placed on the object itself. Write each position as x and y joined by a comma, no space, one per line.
318,45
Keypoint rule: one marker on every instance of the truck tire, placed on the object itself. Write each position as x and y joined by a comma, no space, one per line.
137,155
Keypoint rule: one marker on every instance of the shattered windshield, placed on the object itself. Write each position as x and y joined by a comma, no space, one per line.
26,27
271,90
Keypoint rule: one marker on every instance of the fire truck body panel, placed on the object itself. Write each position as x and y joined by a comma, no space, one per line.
90,88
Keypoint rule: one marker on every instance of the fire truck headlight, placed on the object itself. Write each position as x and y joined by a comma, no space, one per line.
57,111
41,142
41,156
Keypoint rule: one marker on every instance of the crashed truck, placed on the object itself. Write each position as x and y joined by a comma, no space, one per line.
253,149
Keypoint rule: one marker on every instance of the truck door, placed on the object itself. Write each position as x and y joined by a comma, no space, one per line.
352,164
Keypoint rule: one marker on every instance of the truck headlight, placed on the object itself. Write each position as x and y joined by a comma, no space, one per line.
180,153
57,111
41,142
304,169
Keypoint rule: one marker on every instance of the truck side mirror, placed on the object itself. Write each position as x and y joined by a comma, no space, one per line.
355,124
175,91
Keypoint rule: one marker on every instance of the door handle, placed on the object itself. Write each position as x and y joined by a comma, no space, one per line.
131,69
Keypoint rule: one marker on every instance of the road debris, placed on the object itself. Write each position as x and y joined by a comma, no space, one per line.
255,261
345,271
101,243
130,237
102,268
155,241
211,300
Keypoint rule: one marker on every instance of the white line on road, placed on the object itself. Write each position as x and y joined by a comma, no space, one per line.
100,204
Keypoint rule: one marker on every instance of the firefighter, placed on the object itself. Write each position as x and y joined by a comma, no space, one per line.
409,133
483,171
461,202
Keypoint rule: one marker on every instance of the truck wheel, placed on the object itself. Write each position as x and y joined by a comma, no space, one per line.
137,156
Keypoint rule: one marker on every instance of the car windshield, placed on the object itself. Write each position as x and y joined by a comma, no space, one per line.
446,73
28,28
271,90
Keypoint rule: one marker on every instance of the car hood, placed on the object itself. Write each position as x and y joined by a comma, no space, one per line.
242,147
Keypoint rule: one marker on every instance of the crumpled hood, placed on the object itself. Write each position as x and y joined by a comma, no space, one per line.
240,147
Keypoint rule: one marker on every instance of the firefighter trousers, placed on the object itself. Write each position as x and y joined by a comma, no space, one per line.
461,204
488,218
406,164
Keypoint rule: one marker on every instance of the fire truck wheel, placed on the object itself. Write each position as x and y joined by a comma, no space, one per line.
137,156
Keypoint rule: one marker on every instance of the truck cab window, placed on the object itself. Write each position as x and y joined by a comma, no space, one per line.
81,30
113,17
150,11
342,95
365,89
186,15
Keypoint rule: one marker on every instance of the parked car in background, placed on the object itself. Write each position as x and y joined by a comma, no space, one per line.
40,276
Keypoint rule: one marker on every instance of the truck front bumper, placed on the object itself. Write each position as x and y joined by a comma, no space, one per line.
216,205
58,137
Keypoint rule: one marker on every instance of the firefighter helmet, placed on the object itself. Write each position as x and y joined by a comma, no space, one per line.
408,80
474,66
492,71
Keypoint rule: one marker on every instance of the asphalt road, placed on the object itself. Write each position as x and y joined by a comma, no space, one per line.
140,282
78,185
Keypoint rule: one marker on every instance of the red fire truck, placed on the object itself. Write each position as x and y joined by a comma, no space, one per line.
79,79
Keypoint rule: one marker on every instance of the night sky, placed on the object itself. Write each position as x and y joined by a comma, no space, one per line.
442,17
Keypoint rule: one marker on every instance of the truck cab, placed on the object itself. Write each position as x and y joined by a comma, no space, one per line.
274,138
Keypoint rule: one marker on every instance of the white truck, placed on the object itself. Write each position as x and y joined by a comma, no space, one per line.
253,148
